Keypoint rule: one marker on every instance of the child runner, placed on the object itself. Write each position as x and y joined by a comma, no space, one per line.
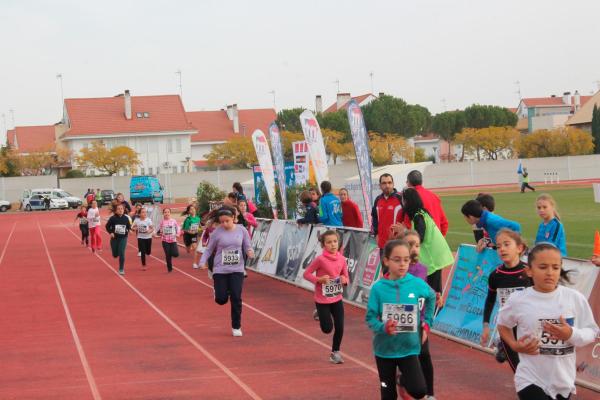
229,242
118,226
93,217
551,230
420,271
251,223
144,227
210,226
475,214
394,317
169,231
502,282
136,215
83,225
329,273
191,227
551,320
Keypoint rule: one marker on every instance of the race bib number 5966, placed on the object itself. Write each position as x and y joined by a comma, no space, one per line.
405,315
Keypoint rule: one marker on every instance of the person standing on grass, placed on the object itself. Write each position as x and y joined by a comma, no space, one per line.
143,227
191,227
386,209
551,230
431,202
81,217
525,181
118,226
351,215
229,242
329,273
169,231
93,217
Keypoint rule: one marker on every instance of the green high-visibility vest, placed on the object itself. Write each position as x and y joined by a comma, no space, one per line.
435,252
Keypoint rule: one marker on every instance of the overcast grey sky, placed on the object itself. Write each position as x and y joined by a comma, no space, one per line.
238,51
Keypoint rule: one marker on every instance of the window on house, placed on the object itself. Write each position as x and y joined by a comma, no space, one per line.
142,171
175,169
178,145
170,145
182,169
150,171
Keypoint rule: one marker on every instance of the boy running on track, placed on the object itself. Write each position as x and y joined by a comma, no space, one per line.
506,279
81,217
118,226
93,217
329,273
191,227
229,242
394,317
551,321
143,227
169,230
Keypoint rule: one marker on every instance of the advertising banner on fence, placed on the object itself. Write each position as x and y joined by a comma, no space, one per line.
316,147
292,244
269,255
461,316
259,238
363,160
311,251
588,357
352,245
266,165
367,272
279,165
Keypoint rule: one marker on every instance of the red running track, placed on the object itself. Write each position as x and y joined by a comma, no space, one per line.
72,328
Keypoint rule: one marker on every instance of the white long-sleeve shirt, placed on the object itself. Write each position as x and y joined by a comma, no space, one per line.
93,216
554,368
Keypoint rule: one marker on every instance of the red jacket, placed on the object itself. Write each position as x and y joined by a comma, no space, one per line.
433,205
351,215
385,213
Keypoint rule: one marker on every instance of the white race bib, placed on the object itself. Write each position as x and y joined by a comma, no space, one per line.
169,230
504,294
404,314
194,228
333,288
553,347
120,229
230,257
142,228
83,221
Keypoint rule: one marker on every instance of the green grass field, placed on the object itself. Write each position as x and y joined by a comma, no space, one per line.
579,214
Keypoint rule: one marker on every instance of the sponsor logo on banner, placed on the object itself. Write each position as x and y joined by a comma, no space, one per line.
292,244
316,147
266,165
301,168
259,237
279,164
363,159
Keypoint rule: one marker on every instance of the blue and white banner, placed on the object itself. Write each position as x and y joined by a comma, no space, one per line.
363,159
316,147
279,165
266,165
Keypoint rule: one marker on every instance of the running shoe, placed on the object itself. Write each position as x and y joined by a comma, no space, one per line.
195,266
121,272
430,398
209,272
336,358
316,315
237,332
402,393
139,253
500,352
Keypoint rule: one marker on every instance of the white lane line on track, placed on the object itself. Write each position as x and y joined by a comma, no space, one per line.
273,319
183,333
7,240
82,357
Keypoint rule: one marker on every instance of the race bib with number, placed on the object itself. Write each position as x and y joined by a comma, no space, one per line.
194,228
404,314
83,221
143,228
169,230
504,294
553,347
333,288
230,257
120,229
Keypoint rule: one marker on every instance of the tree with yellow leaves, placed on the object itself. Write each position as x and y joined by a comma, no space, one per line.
556,143
44,159
389,148
108,161
237,152
493,143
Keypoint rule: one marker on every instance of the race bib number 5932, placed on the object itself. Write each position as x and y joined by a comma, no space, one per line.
405,315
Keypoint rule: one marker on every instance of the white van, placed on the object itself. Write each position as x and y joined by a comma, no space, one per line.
72,201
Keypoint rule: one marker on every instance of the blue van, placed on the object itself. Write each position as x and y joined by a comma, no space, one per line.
146,189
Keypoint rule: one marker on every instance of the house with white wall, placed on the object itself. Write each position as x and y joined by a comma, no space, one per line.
550,112
342,101
156,127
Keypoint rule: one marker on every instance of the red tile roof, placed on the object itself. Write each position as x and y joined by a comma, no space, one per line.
215,126
106,115
204,163
32,138
512,109
359,99
552,101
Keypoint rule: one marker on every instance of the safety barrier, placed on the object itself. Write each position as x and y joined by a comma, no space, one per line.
551,177
283,250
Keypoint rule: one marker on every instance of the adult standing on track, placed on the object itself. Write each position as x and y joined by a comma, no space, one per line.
386,209
351,215
229,242
119,225
93,217
431,202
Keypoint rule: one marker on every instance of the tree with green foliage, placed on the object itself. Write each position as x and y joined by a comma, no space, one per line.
480,116
336,121
9,162
596,129
389,114
447,125
289,119
206,193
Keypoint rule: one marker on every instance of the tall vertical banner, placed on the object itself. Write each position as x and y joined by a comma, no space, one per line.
316,147
300,150
278,158
266,165
361,147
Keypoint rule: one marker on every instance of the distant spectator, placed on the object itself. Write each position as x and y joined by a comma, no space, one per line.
525,181
239,191
431,202
230,200
315,196
311,214
330,207
351,215
386,210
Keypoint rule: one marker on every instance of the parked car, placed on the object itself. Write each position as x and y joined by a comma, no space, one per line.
4,205
106,197
145,189
72,201
36,202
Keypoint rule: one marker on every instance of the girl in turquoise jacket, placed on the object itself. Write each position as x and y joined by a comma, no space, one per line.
394,317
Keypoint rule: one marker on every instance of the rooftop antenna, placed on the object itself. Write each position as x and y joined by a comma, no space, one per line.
178,72
337,82
4,124
273,93
371,75
444,103
518,83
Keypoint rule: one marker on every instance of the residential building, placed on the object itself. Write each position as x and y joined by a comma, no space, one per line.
342,101
550,112
435,147
582,119
32,139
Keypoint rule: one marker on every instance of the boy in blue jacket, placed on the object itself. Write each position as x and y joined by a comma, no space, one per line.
330,207
492,223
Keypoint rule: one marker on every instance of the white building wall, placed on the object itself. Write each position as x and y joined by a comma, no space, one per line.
548,122
200,151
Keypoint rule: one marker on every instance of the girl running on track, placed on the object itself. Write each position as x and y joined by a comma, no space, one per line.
551,230
420,271
551,321
81,217
502,282
329,273
229,242
143,227
118,226
191,228
251,223
394,317
209,227
169,230
93,217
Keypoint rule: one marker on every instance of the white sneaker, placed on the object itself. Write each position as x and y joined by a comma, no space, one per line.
139,253
209,272
237,333
195,266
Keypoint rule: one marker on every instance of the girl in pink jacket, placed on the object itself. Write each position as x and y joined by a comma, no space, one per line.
329,273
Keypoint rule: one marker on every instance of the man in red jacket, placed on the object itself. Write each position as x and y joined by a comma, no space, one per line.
386,210
431,202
